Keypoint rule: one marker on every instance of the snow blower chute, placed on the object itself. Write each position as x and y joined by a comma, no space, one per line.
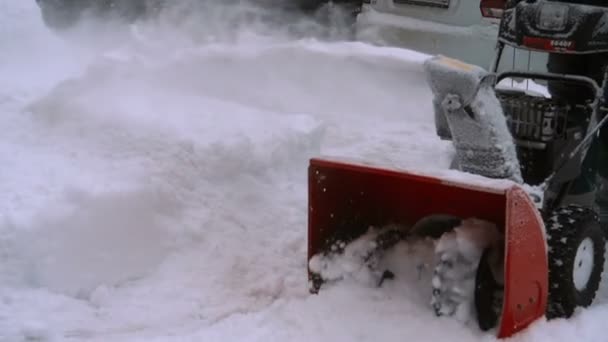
517,155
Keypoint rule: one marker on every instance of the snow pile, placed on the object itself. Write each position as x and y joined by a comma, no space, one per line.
85,247
154,184
458,254
527,86
365,259
441,270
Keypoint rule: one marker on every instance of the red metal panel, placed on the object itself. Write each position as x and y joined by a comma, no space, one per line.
346,199
526,269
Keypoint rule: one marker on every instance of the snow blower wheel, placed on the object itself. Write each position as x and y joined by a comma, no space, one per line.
576,259
488,293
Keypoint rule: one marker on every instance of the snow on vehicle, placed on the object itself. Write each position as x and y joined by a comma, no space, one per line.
511,245
454,28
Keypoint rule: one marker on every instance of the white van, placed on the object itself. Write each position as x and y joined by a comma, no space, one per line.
455,28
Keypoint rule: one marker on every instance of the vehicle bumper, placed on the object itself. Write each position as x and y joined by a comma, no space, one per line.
472,44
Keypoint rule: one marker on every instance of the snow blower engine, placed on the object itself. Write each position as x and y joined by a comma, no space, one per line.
509,243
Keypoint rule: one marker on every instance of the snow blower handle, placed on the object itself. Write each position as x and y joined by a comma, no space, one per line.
546,76
568,160
596,106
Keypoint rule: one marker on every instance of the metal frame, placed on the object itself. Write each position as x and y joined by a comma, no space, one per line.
569,160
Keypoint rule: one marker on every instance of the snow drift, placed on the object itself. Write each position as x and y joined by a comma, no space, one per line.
153,183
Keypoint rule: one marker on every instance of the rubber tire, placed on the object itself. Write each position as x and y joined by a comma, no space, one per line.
434,226
485,294
567,227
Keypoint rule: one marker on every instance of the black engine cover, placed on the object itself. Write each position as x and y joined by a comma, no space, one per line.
584,29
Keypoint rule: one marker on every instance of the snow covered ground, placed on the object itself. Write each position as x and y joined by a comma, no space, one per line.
153,183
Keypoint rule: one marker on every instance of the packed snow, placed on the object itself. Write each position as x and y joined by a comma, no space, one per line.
153,181
442,270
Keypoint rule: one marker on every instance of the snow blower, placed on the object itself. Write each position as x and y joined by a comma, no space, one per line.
517,155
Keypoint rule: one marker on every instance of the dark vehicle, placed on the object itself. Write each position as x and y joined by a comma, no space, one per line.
63,14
